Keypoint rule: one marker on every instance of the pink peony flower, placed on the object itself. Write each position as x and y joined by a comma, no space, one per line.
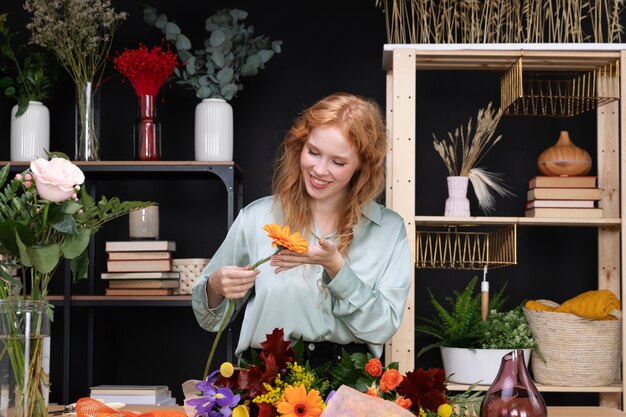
55,179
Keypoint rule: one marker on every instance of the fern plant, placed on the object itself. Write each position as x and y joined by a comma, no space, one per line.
460,324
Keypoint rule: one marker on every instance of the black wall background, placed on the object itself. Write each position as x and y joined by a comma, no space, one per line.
328,46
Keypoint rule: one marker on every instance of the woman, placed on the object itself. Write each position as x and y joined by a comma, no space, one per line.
349,289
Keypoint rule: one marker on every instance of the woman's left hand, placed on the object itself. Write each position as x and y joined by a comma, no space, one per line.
325,253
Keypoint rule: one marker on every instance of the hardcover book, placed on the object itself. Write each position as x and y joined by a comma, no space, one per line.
147,265
138,291
586,181
560,203
140,275
144,283
588,213
129,389
117,256
140,245
563,194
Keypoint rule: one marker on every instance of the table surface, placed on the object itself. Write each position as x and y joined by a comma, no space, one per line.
552,411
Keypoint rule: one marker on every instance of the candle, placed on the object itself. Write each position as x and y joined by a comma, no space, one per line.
484,295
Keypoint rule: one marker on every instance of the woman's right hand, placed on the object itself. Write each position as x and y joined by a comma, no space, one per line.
230,282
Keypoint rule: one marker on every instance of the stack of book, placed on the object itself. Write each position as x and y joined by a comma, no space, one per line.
140,267
133,394
563,197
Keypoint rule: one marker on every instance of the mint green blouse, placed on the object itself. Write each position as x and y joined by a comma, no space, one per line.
364,303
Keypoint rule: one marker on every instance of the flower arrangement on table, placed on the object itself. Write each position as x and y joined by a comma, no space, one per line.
79,33
45,217
147,70
464,161
278,382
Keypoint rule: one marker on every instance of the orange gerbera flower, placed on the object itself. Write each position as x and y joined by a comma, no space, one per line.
281,236
297,403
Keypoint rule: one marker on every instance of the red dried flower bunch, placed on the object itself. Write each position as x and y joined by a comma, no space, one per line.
146,70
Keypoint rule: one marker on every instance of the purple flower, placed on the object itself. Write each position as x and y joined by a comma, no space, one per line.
215,402
203,405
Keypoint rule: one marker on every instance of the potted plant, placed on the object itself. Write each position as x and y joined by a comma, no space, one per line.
26,78
213,71
472,348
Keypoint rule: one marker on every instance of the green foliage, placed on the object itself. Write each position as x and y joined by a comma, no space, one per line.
230,51
461,325
27,81
507,330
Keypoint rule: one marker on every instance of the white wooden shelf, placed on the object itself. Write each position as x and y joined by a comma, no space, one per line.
522,221
613,388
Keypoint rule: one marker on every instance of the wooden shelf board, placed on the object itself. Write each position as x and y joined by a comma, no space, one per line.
499,57
522,221
616,387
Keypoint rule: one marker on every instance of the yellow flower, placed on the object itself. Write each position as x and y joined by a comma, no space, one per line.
297,403
241,411
227,369
281,236
444,410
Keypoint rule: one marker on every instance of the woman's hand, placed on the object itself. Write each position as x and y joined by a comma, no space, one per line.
325,253
230,282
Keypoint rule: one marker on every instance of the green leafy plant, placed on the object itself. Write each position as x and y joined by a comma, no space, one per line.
507,330
29,80
230,52
461,325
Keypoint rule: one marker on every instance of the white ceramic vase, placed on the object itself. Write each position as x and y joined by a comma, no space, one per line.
30,132
457,204
214,130
470,366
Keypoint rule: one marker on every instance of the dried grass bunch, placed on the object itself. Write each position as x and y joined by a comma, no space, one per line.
461,153
503,21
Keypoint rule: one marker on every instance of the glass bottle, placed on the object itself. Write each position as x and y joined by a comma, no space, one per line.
513,393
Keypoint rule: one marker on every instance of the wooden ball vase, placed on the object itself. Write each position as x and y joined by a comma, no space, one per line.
564,158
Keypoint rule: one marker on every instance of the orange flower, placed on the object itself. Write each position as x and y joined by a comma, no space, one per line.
404,402
374,367
372,391
297,403
390,380
281,236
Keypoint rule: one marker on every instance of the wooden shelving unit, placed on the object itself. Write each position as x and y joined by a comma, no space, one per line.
401,63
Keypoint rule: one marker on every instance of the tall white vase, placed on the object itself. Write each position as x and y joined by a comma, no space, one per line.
30,133
214,130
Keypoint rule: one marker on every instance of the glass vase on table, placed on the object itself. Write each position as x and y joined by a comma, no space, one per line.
147,130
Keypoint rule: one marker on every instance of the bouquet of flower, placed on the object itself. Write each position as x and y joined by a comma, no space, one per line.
45,216
276,382
146,70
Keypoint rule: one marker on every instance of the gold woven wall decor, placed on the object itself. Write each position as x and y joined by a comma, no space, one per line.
458,248
557,94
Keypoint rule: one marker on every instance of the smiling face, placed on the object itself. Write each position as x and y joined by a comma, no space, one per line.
327,162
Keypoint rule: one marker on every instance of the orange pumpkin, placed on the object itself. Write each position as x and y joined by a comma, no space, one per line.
564,158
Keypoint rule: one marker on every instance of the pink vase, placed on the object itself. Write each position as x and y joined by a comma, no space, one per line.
513,392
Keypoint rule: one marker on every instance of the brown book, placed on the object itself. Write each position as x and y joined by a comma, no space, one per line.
138,291
142,265
116,256
563,194
140,275
140,245
144,283
587,213
585,181
560,203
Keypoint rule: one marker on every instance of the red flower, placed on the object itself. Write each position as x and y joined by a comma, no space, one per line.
425,388
372,392
390,380
374,367
146,70
403,402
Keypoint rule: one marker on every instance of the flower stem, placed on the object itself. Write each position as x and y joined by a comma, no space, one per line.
229,310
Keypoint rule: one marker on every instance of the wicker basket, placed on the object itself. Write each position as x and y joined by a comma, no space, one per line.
190,270
577,351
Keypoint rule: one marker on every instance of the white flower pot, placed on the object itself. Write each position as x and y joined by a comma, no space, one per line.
30,133
469,366
214,130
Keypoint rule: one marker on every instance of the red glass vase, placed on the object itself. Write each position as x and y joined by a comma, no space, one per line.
147,131
513,393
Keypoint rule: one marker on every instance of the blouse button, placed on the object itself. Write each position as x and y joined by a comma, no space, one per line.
311,346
